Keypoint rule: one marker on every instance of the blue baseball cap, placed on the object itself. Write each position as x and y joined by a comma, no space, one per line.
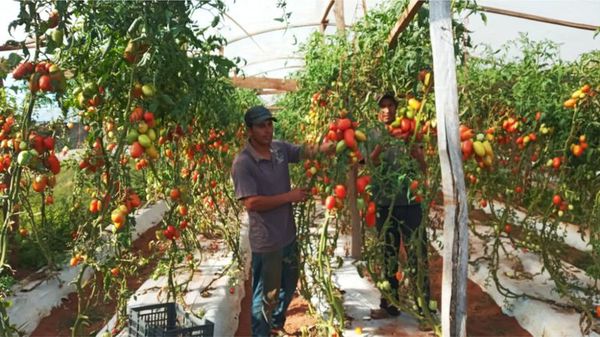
257,114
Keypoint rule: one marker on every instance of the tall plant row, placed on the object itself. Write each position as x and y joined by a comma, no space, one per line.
163,124
529,129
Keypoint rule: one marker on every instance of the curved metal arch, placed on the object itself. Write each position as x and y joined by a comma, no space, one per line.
274,29
276,69
287,57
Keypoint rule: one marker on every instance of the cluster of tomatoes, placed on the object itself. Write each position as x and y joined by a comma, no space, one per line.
405,123
577,149
141,138
581,93
481,146
44,76
561,205
344,133
119,215
93,160
365,205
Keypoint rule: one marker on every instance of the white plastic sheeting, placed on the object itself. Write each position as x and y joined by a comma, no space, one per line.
34,299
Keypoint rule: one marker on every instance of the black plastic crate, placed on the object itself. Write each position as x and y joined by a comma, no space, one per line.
167,320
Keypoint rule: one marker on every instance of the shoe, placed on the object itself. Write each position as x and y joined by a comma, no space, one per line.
379,314
390,309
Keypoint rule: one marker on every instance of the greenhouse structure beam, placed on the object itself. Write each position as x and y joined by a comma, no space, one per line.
324,20
403,21
538,18
262,92
274,29
276,69
277,58
265,83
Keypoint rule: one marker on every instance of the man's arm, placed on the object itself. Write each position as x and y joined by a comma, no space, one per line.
261,203
374,156
416,152
311,150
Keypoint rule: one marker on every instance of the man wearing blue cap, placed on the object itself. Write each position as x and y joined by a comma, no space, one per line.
262,183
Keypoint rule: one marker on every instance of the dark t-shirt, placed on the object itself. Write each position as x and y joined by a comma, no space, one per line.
274,229
392,177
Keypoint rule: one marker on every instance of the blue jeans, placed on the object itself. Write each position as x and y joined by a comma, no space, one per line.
274,280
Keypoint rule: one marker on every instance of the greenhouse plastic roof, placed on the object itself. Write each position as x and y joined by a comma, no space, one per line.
273,50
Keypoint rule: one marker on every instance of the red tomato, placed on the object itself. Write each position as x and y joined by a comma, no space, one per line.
467,148
340,191
343,124
330,202
556,162
361,183
95,205
349,139
370,219
136,150
556,200
53,164
405,124
45,83
372,208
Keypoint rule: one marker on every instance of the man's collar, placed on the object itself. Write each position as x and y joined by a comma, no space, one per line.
253,152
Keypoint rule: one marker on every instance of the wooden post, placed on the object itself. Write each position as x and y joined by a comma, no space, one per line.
455,239
339,17
354,217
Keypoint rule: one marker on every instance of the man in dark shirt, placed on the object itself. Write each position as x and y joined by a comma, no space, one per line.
262,182
398,213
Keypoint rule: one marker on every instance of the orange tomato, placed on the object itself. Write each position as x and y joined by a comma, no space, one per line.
570,103
175,194
183,211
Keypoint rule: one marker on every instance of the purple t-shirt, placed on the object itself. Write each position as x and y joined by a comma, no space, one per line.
252,175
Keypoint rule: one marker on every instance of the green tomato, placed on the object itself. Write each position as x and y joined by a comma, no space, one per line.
24,158
340,147
57,36
148,90
132,136
145,141
151,134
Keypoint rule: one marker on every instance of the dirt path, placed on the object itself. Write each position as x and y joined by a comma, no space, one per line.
484,316
61,319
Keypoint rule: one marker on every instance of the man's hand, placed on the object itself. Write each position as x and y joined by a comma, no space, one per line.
416,151
298,195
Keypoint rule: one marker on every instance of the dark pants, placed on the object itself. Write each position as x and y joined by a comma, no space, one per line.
274,280
404,224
